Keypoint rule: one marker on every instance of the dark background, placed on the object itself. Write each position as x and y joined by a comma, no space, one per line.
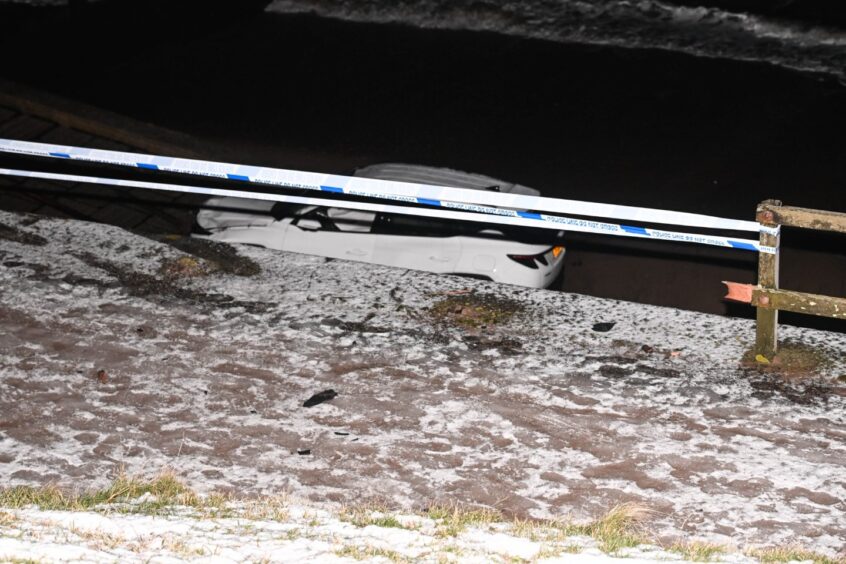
641,127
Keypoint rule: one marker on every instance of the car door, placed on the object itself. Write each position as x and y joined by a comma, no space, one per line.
431,254
316,234
415,242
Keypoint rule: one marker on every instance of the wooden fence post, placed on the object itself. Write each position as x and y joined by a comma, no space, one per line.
766,340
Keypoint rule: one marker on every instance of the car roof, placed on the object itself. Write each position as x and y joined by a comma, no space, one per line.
438,176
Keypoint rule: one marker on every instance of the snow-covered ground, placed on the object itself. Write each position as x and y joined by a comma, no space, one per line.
538,412
301,533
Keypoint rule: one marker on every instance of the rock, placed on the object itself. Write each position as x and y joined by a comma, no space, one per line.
603,327
320,397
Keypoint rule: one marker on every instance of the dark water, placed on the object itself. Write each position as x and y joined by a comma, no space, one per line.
651,126
781,37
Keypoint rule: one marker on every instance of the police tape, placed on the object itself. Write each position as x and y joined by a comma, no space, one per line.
526,219
437,196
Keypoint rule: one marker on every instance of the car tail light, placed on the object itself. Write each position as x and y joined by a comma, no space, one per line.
532,261
526,260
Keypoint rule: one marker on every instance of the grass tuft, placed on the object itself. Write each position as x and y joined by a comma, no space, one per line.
99,540
46,497
387,521
698,551
370,515
7,519
622,527
271,508
161,495
163,490
369,553
791,554
452,520
182,548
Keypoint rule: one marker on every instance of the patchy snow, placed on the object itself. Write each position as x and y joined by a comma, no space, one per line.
503,544
537,415
301,534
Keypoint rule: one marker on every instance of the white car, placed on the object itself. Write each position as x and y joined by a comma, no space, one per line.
526,257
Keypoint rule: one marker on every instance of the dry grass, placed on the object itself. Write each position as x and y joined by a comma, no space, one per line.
266,508
45,497
450,520
166,489
99,540
622,527
160,495
453,519
792,554
181,547
699,551
7,519
369,553
372,514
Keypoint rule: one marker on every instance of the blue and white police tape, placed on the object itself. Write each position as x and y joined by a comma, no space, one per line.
527,219
437,196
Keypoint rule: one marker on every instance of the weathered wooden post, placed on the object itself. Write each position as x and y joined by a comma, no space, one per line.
766,339
766,296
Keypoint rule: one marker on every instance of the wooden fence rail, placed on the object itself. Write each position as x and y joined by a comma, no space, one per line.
767,297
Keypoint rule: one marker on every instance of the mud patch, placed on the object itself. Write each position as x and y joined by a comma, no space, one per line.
355,326
38,270
473,310
613,371
11,233
801,394
616,359
658,371
820,498
185,267
794,360
219,256
505,346
150,287
625,471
